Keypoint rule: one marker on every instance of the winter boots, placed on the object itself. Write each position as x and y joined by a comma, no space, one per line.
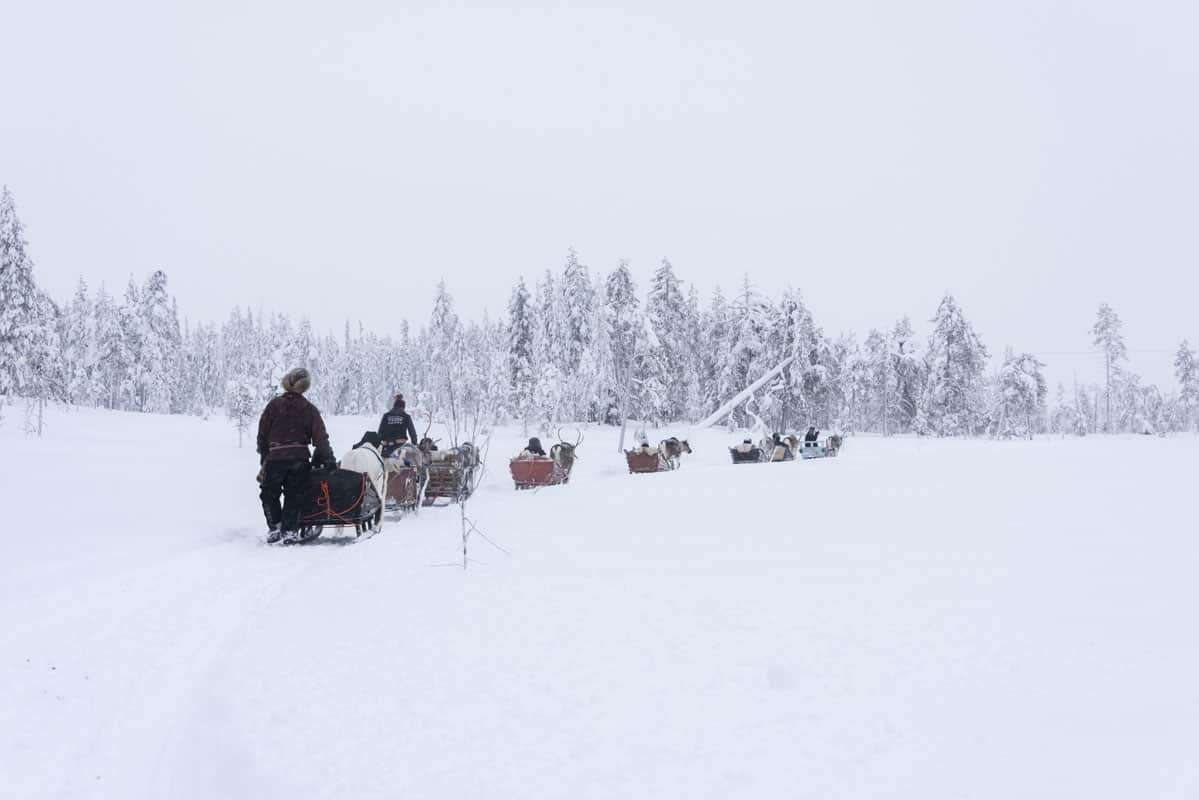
297,537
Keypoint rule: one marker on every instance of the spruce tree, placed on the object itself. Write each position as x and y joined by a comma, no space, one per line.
624,332
132,380
1186,371
521,376
78,348
1020,396
857,384
1107,336
881,392
159,337
909,374
577,301
714,351
670,378
19,298
445,359
953,401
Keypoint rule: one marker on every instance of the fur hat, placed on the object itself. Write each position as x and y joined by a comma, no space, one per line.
297,380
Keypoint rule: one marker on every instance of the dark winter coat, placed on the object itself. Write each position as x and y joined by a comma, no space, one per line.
812,435
397,424
289,423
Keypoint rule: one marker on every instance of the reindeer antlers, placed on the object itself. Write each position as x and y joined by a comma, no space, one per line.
578,441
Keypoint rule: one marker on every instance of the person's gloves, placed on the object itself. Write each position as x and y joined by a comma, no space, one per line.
261,476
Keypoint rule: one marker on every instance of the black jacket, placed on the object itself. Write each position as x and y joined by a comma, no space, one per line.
395,425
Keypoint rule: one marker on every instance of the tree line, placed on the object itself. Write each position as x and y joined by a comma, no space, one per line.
574,346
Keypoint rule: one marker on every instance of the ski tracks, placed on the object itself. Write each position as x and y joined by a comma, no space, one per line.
112,669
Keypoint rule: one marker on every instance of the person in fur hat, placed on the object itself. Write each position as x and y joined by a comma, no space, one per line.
288,425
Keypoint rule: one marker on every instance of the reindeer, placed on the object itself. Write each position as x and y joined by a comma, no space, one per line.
564,454
671,451
409,455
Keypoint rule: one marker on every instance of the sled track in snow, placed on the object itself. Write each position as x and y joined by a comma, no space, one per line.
143,660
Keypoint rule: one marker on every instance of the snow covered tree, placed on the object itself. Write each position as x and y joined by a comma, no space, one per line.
241,406
445,350
1086,405
953,401
622,310
714,351
909,374
577,302
1061,419
131,381
492,372
18,302
1186,371
1020,396
277,351
671,375
78,348
158,337
521,375
747,359
857,384
112,354
42,381
1110,341
880,400
202,363
812,370
1129,402
785,400
30,350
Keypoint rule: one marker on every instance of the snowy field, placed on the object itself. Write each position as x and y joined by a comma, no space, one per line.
915,619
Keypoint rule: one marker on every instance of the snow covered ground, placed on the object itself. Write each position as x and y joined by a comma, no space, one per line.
916,619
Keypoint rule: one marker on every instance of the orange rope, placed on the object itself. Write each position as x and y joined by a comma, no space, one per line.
328,503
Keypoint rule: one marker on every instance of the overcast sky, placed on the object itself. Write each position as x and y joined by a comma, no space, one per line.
338,159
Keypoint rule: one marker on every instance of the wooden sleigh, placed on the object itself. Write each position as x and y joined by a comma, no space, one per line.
405,488
451,474
641,461
536,471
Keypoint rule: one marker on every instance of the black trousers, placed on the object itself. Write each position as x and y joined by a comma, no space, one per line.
289,479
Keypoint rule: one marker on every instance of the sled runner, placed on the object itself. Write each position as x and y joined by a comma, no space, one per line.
339,498
531,472
451,474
